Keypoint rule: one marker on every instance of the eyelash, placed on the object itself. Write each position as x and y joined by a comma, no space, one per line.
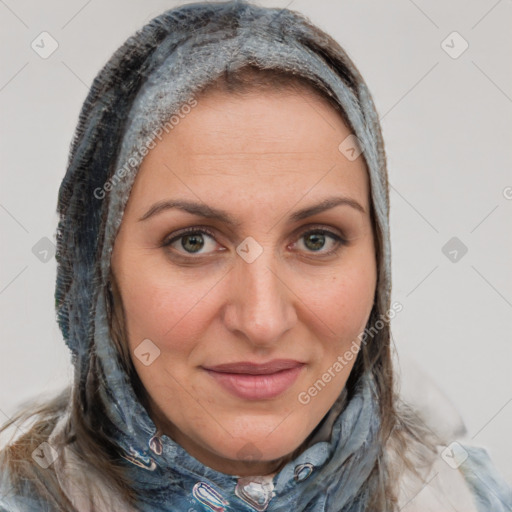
204,230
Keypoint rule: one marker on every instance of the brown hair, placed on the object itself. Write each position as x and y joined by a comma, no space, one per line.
400,430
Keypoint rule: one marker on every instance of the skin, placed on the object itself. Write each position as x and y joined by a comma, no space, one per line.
260,158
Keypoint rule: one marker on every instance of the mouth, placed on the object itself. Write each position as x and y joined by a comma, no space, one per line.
251,381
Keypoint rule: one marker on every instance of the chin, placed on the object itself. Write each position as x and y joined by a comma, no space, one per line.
258,444
258,450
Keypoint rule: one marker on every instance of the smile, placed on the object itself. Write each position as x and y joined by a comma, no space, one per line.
256,386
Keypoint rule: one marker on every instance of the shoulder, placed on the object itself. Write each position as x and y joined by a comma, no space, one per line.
454,475
489,488
461,478
437,487
56,465
436,475
26,474
79,479
17,494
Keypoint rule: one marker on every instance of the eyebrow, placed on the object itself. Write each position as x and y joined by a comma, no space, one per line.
206,211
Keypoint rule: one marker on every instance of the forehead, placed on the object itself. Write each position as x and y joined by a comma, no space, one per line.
278,146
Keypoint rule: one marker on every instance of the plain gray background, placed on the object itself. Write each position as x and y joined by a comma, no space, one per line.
446,116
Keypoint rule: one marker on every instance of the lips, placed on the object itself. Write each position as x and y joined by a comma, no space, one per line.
249,368
251,381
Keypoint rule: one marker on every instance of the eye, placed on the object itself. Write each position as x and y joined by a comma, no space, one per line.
198,240
315,240
192,240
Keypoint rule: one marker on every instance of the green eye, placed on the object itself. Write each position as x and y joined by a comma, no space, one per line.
316,239
193,240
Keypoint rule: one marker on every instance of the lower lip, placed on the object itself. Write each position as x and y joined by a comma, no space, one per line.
257,387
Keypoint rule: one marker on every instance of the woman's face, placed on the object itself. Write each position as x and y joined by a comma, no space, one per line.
260,276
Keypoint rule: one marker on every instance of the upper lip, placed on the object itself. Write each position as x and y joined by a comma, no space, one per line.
247,367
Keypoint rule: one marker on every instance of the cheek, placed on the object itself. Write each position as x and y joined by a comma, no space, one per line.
163,310
341,302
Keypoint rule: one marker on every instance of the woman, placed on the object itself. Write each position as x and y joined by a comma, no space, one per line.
224,288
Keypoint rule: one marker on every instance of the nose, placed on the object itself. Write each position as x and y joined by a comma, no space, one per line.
261,304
